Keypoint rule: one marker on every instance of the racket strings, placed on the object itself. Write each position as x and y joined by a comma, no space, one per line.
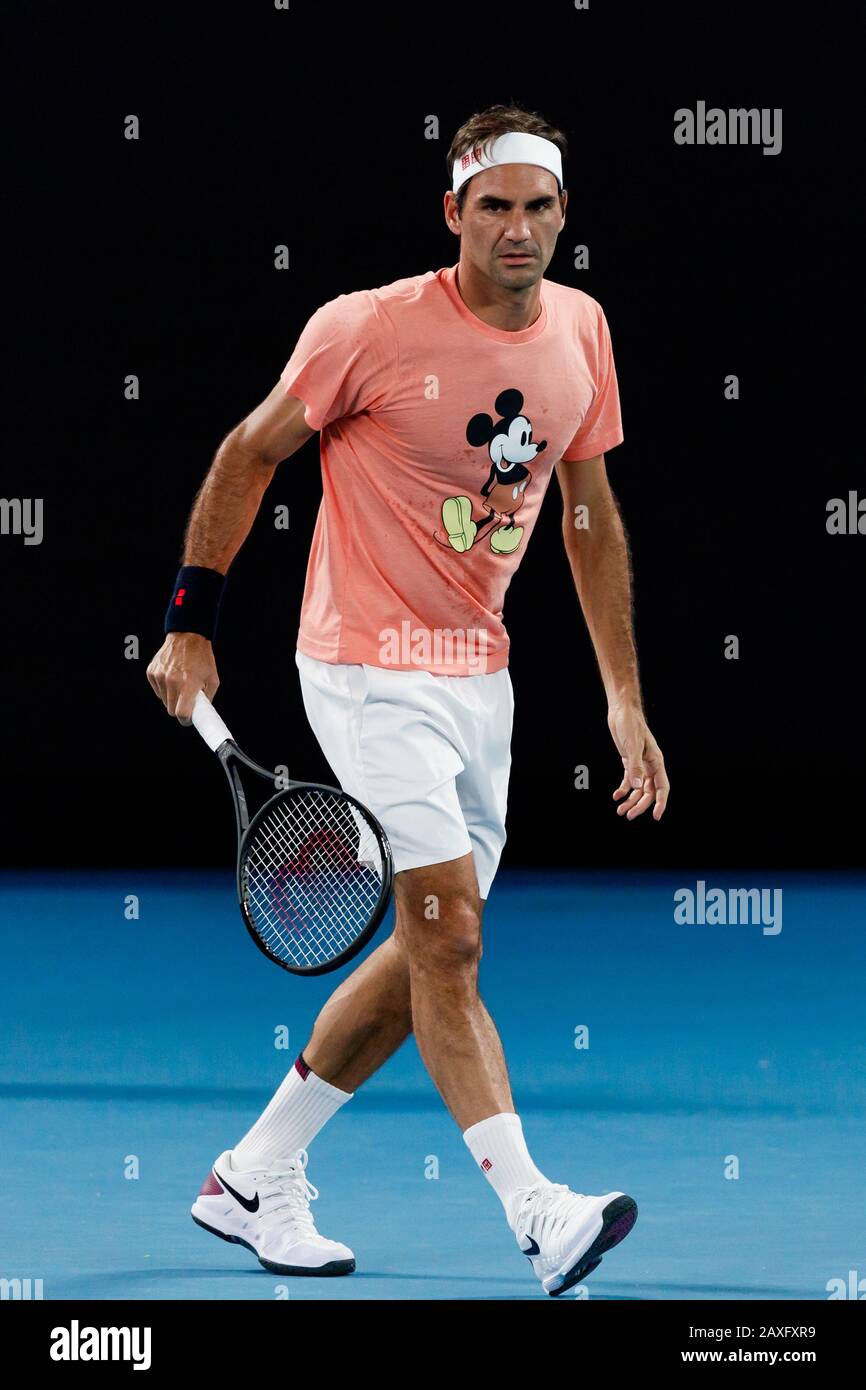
297,924
312,876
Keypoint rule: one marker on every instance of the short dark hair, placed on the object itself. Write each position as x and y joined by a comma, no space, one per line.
485,126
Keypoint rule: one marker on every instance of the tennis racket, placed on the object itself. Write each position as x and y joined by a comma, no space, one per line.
314,873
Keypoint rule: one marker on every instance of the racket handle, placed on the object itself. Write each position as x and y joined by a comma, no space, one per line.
207,721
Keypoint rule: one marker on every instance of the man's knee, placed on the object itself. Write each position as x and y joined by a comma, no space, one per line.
439,915
457,936
448,939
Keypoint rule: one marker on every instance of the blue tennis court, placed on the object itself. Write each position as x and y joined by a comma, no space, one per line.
147,1046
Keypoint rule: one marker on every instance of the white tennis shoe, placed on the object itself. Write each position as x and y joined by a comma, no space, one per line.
565,1233
268,1211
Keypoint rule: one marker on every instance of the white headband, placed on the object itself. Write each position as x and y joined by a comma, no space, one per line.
513,148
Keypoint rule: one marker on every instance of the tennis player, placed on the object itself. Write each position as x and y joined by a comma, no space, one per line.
444,402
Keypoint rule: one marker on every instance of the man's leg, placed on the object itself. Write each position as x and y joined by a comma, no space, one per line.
365,1020
440,916
362,1024
424,977
564,1233
370,1015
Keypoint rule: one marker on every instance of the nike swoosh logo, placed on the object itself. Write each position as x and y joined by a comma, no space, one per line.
535,1247
244,1201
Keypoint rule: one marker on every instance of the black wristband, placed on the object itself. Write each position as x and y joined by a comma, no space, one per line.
195,602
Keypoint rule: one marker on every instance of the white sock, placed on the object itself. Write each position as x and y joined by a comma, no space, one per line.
499,1148
291,1120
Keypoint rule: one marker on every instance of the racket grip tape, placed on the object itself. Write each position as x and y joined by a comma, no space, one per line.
208,723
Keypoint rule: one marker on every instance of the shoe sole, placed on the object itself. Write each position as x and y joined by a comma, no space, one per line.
334,1267
617,1220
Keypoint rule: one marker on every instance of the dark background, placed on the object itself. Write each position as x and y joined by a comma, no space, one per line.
156,258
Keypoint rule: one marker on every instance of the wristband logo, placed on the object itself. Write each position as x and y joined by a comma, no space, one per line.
195,600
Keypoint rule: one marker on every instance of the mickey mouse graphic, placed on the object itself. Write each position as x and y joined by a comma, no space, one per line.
510,447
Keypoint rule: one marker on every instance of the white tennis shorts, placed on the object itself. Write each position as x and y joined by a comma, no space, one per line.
429,755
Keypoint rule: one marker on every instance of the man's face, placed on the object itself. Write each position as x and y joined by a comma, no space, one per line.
511,219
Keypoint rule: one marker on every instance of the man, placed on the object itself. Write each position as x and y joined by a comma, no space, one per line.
444,402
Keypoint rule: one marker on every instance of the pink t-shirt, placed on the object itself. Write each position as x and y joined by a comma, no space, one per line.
438,439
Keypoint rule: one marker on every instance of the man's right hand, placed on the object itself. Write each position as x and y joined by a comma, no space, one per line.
182,667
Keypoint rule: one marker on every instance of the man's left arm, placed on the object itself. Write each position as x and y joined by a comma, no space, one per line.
598,554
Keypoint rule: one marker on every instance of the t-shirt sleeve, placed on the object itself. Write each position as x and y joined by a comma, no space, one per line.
601,427
343,360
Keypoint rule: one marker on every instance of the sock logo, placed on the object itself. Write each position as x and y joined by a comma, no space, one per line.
486,1164
301,1067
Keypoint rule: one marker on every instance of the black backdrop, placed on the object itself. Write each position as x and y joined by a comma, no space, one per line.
307,127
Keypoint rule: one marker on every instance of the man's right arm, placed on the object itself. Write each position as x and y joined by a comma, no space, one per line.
221,518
